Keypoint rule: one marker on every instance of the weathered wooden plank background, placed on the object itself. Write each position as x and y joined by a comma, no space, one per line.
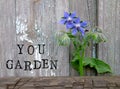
7,34
43,16
20,20
109,21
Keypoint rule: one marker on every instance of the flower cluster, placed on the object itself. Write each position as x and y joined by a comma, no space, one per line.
74,23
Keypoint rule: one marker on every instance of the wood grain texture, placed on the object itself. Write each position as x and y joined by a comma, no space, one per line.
7,35
61,83
109,21
86,10
47,16
32,22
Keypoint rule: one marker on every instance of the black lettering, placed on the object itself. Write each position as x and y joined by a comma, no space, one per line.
35,64
45,63
20,48
27,65
30,46
11,64
18,65
53,64
41,49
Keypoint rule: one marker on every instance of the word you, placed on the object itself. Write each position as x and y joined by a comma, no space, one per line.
31,49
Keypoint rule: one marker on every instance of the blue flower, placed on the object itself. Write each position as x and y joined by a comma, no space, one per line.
74,23
68,19
79,26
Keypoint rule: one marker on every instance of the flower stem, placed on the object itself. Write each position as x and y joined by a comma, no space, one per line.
81,69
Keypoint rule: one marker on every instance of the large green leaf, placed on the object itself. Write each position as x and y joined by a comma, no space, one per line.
75,63
99,65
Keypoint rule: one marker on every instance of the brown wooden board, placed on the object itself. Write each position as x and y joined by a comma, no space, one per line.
61,83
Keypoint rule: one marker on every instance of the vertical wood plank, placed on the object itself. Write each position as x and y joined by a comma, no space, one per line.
7,35
47,16
25,33
109,21
62,53
86,10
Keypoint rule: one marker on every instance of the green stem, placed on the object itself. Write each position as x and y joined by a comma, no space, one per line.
81,67
81,57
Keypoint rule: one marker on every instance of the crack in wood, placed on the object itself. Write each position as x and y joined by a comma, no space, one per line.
27,81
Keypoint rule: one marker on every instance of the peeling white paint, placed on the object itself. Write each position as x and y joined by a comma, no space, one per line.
21,29
37,55
53,73
46,73
31,66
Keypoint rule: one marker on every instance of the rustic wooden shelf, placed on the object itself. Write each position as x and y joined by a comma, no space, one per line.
61,83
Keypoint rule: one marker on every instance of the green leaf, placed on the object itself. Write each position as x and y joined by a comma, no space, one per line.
70,35
75,63
99,65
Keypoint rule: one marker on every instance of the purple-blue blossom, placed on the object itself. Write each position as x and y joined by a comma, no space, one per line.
74,23
79,26
68,19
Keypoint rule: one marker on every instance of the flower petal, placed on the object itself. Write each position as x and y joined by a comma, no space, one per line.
82,31
77,20
62,21
73,14
69,25
66,14
74,31
83,24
